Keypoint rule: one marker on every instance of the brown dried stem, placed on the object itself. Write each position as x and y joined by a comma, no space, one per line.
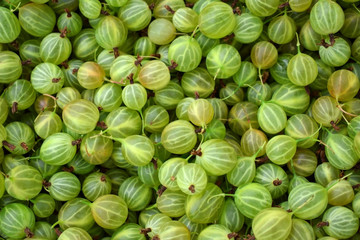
167,7
76,142
322,224
24,146
192,188
14,107
9,145
68,13
277,182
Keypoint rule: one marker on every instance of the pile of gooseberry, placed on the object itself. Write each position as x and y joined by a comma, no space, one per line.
179,119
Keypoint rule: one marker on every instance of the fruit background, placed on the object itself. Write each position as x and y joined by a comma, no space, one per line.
179,120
